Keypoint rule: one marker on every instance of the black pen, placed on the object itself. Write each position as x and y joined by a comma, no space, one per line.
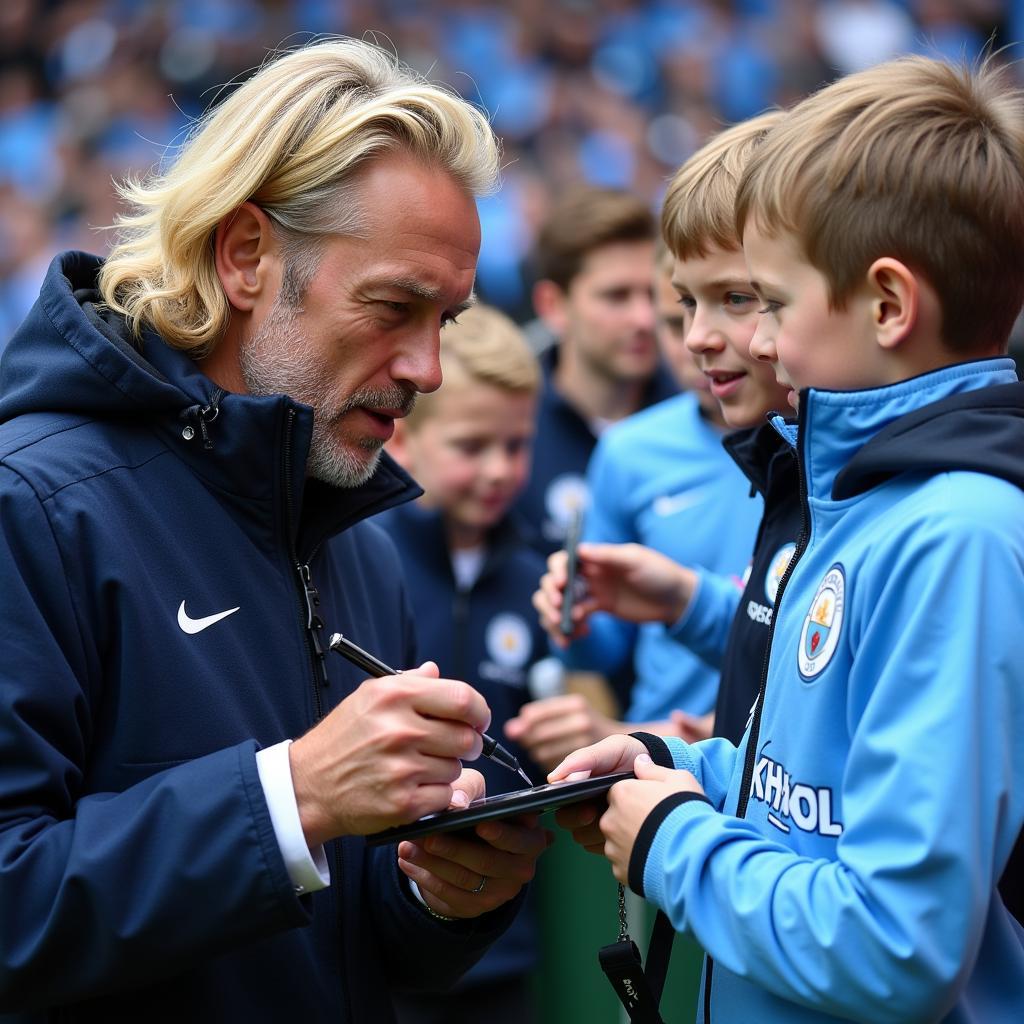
375,667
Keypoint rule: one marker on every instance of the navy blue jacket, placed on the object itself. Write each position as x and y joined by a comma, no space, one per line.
563,446
488,635
139,873
771,467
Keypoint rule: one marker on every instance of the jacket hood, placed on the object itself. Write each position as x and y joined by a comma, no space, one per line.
71,357
68,357
980,431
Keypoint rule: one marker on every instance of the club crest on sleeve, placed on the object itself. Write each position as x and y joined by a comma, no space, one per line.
823,624
507,639
776,570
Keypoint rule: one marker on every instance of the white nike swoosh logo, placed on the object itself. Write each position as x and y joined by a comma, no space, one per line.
670,504
190,625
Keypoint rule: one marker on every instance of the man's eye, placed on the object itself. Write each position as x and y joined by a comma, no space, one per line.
395,307
449,318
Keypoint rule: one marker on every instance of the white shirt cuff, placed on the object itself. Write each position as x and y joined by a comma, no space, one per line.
416,891
307,869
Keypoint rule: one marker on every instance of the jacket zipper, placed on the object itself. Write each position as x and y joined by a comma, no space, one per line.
308,595
755,726
196,417
312,624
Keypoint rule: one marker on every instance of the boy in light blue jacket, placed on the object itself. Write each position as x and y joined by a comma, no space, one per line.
841,864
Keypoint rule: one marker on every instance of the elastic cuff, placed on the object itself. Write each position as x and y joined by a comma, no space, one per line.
648,830
656,747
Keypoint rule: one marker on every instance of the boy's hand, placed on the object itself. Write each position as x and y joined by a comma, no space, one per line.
614,754
552,728
629,804
630,581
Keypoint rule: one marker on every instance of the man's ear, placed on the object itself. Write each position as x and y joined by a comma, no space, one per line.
895,295
247,257
549,300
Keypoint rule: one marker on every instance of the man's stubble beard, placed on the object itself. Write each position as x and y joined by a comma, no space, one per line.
277,360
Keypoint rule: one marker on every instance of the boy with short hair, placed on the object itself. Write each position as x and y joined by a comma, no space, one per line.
843,862
470,576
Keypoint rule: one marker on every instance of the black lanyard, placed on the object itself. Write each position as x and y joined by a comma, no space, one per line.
639,989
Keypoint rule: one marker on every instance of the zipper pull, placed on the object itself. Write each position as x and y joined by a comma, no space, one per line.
313,621
201,416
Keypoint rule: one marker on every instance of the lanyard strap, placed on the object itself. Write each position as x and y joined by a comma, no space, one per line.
639,989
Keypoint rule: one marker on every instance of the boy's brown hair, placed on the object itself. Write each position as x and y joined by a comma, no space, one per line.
482,347
914,159
699,211
589,219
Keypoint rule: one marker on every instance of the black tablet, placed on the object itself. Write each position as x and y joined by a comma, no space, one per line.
503,805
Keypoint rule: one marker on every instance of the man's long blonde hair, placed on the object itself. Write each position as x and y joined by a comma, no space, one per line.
290,140
914,159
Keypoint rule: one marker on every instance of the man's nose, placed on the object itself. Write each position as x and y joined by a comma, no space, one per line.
642,313
419,361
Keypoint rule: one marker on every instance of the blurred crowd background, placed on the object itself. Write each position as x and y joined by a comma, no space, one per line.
611,92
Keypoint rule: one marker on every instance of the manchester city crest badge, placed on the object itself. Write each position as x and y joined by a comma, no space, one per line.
823,624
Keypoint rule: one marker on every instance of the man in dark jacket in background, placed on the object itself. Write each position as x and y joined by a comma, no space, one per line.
190,436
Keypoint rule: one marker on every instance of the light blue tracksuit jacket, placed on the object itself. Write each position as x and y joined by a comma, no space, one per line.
846,867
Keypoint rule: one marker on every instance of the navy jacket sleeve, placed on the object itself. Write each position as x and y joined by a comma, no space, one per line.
97,889
425,954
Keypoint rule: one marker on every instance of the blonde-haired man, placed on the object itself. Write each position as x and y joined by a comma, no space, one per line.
190,436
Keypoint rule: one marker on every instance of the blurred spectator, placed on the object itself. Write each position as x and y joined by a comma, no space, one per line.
596,295
606,92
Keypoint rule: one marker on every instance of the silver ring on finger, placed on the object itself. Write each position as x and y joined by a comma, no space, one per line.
480,886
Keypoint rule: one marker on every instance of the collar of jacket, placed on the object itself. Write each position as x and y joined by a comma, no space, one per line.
834,426
425,526
762,454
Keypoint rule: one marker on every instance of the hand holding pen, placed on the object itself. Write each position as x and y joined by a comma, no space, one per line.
389,753
492,749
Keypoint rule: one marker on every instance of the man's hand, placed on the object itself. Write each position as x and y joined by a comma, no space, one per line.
387,754
629,804
614,754
550,729
630,581
463,876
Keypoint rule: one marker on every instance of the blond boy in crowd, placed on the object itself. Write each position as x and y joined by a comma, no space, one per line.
470,576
